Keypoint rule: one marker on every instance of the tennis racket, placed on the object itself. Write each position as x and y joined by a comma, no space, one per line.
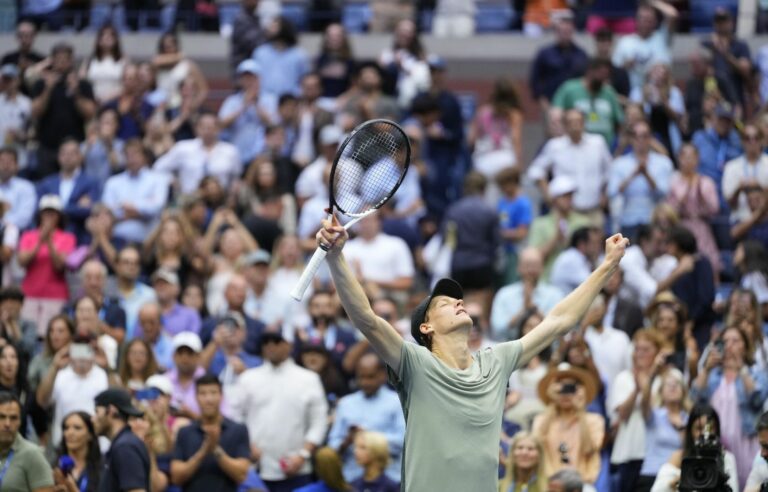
367,171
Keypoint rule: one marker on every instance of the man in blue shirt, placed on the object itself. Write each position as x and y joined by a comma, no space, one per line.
374,407
212,453
126,465
718,145
18,192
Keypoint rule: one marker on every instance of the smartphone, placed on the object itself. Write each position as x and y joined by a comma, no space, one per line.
148,394
81,351
568,389
720,346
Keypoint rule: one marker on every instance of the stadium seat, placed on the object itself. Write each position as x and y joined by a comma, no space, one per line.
355,16
493,17
702,11
297,14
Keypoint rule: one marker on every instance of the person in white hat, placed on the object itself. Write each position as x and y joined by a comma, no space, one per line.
186,359
551,233
43,252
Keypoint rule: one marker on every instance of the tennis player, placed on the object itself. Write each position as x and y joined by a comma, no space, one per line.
453,401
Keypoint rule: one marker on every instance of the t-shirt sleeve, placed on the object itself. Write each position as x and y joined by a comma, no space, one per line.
508,354
40,473
131,469
401,377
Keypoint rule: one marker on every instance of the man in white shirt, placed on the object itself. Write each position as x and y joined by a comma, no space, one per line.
512,302
745,172
583,157
136,196
649,45
71,384
15,111
611,348
206,155
383,262
759,473
19,192
576,263
284,407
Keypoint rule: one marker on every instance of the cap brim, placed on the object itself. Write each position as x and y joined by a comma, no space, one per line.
132,411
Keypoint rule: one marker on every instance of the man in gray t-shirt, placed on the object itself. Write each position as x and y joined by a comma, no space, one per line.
453,401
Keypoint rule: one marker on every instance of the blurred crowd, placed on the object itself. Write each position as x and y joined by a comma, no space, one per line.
149,239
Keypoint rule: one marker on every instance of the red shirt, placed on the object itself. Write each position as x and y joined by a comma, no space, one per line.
42,280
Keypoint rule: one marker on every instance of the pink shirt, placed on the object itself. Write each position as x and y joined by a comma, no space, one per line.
42,280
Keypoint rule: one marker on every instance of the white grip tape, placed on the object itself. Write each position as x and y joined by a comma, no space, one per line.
309,273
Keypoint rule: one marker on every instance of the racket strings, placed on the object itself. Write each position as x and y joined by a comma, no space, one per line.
370,168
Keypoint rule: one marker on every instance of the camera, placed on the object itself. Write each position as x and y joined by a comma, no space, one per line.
705,470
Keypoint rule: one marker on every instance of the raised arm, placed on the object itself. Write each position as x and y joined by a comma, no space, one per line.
567,313
384,339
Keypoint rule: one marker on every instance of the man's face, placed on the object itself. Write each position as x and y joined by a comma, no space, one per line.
370,377
93,281
209,399
25,34
185,360
235,293
129,265
574,124
207,129
645,21
322,306
604,47
8,166
12,307
370,80
10,421
100,421
150,322
62,61
166,291
134,159
276,352
642,139
723,125
311,89
446,314
69,157
564,31
724,26
762,437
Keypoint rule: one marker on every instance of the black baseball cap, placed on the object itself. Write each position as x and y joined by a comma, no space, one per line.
443,287
120,399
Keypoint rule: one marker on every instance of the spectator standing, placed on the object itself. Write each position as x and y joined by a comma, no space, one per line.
641,179
206,155
127,464
25,56
43,252
15,110
285,410
242,116
374,407
335,63
619,79
695,198
406,63
77,191
366,99
663,105
749,170
731,57
583,157
246,33
575,264
622,312
62,103
172,68
551,231
29,471
103,150
515,217
553,65
18,192
286,60
133,103
718,145
131,293
610,348
593,96
136,196
212,453
703,90
104,68
649,43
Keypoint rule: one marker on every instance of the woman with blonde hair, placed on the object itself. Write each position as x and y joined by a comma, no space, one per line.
372,454
571,436
669,320
524,465
328,471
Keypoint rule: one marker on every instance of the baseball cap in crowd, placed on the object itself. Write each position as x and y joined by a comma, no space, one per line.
331,135
561,185
118,398
189,340
260,256
160,382
249,66
9,71
443,287
165,275
436,62
50,202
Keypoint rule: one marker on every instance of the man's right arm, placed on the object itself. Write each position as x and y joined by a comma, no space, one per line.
183,470
384,339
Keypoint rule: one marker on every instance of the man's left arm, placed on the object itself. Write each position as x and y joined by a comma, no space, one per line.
567,313
235,465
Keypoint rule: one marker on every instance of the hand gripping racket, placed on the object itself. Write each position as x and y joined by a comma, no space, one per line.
368,169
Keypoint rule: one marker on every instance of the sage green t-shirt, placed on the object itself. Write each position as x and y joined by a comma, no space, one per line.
453,418
27,470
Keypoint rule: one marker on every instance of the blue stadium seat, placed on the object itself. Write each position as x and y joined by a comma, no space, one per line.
227,13
425,20
355,16
493,17
297,14
702,11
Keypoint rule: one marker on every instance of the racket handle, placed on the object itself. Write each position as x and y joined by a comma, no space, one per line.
309,273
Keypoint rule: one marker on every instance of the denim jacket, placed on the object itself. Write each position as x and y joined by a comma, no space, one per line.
750,406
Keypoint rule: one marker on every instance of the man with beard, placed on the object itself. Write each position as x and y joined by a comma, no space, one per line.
324,329
593,96
367,100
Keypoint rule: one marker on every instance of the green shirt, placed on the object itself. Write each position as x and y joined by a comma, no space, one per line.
544,228
601,112
28,469
453,418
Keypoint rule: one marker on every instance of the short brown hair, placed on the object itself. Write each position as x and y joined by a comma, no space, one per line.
509,175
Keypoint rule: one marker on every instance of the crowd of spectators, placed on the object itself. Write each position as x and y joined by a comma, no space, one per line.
149,239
